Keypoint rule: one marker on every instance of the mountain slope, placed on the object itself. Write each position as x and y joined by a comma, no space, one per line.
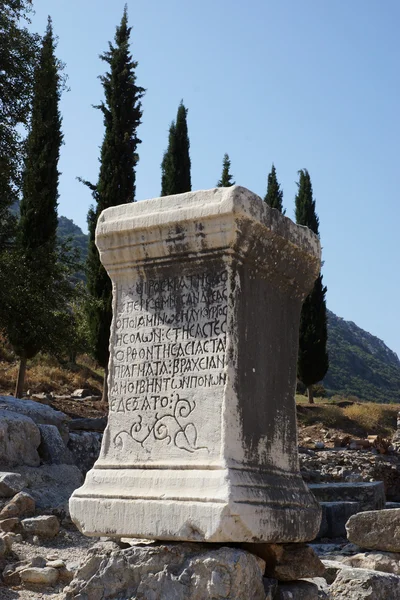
360,363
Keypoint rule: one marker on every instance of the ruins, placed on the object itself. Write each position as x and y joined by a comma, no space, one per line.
201,443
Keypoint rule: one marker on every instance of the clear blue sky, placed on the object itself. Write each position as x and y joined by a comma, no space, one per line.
311,84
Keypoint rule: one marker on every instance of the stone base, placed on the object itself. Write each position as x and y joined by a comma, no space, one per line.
211,505
160,571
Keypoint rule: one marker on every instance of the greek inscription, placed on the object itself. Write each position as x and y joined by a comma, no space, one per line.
170,338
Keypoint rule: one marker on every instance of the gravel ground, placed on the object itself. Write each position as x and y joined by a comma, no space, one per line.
69,545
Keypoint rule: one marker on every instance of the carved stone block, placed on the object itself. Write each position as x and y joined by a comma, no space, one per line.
201,442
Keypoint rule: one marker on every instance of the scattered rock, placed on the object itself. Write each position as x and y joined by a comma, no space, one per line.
43,526
184,571
81,393
19,439
42,576
51,485
39,413
288,562
362,584
11,524
11,572
11,484
52,449
376,530
20,506
387,562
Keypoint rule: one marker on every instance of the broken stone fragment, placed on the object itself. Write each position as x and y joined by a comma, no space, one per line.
10,484
43,576
387,562
362,584
11,524
21,505
43,526
297,590
288,562
376,530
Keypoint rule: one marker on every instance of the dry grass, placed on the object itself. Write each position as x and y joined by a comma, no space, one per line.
358,419
44,374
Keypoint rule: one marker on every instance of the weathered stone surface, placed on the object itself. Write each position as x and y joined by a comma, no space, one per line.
181,571
387,562
361,584
11,524
332,568
23,504
288,562
19,439
335,516
39,413
376,530
201,442
96,424
298,590
41,576
52,449
10,484
45,526
370,496
51,485
85,448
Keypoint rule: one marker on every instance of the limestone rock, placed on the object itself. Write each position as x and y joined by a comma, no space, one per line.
52,449
362,584
270,587
19,439
39,413
387,562
51,485
335,516
297,590
41,576
85,448
376,530
181,571
288,562
43,526
23,504
11,524
11,573
10,484
370,495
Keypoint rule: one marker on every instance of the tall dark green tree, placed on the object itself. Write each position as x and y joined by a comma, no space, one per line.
274,195
226,176
122,113
18,55
35,315
313,360
175,166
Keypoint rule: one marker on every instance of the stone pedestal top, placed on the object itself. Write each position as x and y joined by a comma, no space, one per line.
201,442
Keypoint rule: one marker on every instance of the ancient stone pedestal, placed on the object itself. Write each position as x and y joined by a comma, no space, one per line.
201,443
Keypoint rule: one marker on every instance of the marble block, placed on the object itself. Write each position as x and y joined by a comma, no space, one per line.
201,442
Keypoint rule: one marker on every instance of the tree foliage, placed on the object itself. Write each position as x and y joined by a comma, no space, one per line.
18,54
226,176
35,312
274,195
313,360
122,113
175,166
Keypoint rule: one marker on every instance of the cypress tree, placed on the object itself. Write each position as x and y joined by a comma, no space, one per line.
175,166
274,195
226,176
313,360
122,113
37,304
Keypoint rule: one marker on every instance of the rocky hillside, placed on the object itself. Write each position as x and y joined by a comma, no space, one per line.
360,363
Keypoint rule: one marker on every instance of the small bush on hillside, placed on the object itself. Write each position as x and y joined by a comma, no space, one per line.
374,419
